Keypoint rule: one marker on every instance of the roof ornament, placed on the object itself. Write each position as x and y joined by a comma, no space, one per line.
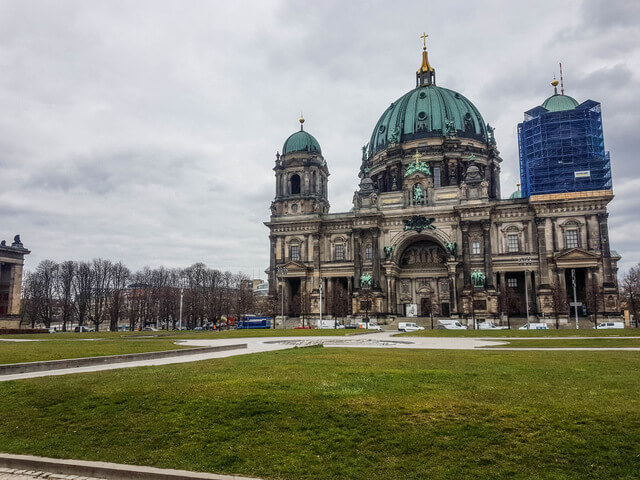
426,74
301,122
555,84
417,166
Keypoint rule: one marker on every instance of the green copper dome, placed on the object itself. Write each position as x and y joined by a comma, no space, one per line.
516,194
560,103
301,141
424,112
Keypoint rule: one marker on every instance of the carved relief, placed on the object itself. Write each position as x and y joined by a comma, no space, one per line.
423,254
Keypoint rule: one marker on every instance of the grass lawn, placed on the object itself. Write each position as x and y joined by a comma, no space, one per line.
597,342
334,413
76,345
565,332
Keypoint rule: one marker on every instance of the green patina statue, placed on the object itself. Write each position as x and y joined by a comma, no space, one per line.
388,250
478,278
417,167
450,128
451,247
492,138
418,194
366,280
395,135
419,223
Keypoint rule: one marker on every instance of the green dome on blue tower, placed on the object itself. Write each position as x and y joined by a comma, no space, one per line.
427,111
301,141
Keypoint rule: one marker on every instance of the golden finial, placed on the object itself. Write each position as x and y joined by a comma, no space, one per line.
424,40
425,67
555,84
301,121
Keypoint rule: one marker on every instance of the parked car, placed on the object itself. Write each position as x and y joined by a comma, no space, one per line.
489,326
409,327
534,326
198,328
450,325
370,326
82,329
149,329
608,325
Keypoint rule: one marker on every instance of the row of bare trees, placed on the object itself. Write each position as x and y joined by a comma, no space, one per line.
630,292
103,292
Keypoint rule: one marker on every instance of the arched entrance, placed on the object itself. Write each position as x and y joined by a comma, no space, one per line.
423,282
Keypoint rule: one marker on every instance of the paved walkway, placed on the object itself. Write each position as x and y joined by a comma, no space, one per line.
382,340
17,474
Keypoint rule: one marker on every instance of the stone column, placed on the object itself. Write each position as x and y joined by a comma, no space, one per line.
542,250
466,256
605,249
488,266
15,287
453,293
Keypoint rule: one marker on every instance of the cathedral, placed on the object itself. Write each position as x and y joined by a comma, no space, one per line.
429,233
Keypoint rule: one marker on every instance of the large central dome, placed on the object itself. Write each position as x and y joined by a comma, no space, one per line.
424,112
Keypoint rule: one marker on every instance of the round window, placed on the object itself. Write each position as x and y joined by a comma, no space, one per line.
423,95
422,115
381,129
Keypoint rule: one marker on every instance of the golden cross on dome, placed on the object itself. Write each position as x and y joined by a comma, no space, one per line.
424,39
417,157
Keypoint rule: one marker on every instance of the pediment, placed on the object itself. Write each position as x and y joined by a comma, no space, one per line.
576,257
294,267
577,254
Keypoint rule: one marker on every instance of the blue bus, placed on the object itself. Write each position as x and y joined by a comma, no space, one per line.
254,322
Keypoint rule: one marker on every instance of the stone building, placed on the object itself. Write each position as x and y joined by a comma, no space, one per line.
429,232
11,262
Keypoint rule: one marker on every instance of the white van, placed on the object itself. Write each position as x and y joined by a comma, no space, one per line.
607,325
489,326
450,325
534,326
409,327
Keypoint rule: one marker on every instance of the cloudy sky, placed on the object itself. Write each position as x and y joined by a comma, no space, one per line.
146,131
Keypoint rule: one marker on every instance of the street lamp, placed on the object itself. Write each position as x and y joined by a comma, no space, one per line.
282,271
526,262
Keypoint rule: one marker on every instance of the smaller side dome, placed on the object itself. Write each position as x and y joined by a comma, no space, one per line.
516,194
301,141
560,103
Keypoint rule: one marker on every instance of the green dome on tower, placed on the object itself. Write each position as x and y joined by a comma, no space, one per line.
301,141
559,103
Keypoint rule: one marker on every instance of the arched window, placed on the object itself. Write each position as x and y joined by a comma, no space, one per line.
295,184
314,181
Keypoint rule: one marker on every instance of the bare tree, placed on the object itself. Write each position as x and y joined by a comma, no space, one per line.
100,273
631,291
339,302
593,299
118,283
82,291
42,292
64,291
558,301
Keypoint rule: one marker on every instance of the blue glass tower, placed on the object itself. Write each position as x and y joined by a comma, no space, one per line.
561,147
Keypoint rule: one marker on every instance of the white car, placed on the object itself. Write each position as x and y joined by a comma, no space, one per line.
608,325
534,326
372,326
409,327
489,326
450,325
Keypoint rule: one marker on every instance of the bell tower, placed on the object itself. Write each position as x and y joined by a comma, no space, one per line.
301,177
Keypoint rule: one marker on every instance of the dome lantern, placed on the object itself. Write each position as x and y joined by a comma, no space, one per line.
426,74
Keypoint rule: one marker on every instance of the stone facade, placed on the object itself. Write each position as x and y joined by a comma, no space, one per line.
429,233
11,264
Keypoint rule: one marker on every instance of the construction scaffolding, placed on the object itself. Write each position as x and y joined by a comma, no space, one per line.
563,151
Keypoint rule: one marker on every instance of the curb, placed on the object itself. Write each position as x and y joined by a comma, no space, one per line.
105,470
28,367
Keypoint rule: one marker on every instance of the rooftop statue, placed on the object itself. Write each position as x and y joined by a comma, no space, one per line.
417,166
450,128
478,278
395,135
492,138
366,280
